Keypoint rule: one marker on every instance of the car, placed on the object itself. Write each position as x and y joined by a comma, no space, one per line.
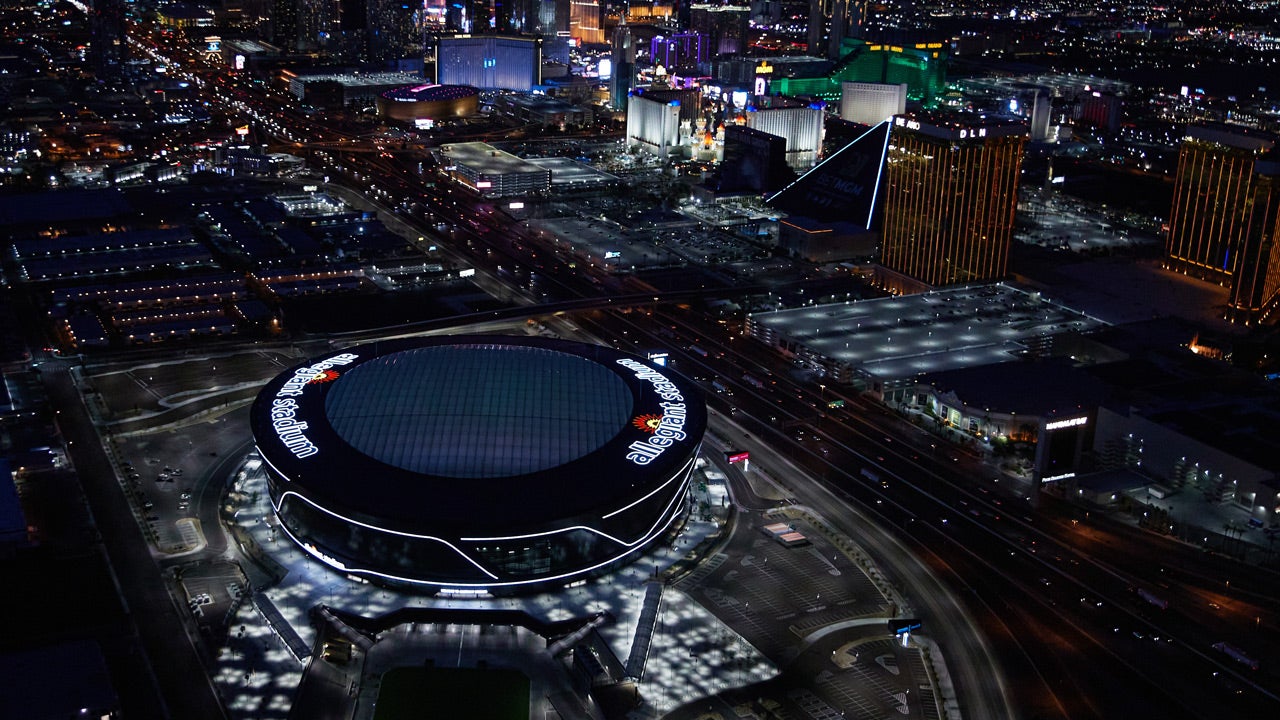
186,496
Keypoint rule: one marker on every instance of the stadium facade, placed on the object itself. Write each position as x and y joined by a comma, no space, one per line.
478,463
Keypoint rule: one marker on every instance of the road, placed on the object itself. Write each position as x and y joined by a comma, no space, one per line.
183,680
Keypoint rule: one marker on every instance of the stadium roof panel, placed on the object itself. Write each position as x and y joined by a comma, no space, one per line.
471,412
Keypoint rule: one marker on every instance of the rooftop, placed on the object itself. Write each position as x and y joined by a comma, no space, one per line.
905,336
1047,389
476,411
486,159
960,125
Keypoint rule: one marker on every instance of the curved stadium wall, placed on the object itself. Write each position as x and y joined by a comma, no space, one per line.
485,462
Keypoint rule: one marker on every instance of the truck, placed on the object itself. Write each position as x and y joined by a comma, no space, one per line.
1236,654
1153,599
697,350
752,380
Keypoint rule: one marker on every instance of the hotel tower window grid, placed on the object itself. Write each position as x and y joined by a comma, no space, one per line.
1225,218
949,203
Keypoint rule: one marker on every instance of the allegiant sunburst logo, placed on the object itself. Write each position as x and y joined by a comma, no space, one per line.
323,376
647,423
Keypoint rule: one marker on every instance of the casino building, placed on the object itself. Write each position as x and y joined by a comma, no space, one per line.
486,463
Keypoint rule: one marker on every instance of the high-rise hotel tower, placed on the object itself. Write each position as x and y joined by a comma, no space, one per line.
1224,225
951,186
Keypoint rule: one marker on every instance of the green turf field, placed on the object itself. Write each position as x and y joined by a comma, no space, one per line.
414,693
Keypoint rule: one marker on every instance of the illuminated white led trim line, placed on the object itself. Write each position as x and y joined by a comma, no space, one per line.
332,562
682,471
875,189
673,500
653,532
682,475
276,507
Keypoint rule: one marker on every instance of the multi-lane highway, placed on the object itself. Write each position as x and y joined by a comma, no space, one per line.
1031,571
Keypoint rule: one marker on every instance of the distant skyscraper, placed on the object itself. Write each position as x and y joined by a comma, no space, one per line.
830,22
624,66
489,62
317,24
799,122
679,53
1225,222
585,21
872,103
726,26
284,24
817,28
659,121
107,46
951,186
754,161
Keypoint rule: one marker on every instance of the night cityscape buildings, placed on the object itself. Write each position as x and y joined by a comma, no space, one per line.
951,185
980,300
1225,217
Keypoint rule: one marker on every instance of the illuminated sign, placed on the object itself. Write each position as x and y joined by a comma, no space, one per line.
1069,422
469,272
284,406
242,131
424,123
484,184
1063,476
764,68
669,427
612,254
657,358
736,456
516,206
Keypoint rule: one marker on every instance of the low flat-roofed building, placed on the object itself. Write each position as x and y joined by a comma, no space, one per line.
887,342
606,245
155,293
116,253
1225,450
821,242
1051,403
354,88
569,174
1105,488
545,111
491,172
